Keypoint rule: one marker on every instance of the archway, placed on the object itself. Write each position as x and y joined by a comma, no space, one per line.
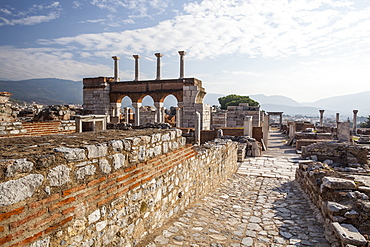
172,113
148,112
127,110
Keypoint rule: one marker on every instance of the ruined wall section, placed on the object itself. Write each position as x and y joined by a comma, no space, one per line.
337,152
107,194
21,129
342,199
96,95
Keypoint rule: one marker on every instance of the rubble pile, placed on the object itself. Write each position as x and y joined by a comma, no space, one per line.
57,112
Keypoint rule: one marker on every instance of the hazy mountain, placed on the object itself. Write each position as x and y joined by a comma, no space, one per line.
347,103
48,91
57,91
274,99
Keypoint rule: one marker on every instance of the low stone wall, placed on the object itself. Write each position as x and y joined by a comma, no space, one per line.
342,198
108,194
19,129
306,142
337,152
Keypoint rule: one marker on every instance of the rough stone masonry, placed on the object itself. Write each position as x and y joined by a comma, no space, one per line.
104,192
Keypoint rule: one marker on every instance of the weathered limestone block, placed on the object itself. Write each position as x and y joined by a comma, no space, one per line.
117,145
16,166
42,243
59,175
104,166
142,153
14,191
96,151
127,145
118,161
166,137
348,234
82,172
72,154
338,183
133,140
156,137
94,216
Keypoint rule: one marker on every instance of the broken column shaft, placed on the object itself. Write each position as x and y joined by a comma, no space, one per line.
182,54
136,67
116,70
158,55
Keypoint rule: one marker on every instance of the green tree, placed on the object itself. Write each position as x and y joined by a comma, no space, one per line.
234,100
366,124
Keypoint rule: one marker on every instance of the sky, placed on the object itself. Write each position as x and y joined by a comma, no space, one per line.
303,49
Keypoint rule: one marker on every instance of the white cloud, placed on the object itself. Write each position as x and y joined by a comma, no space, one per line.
31,16
218,27
45,63
76,4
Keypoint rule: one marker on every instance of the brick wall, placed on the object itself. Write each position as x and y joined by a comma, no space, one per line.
19,129
107,194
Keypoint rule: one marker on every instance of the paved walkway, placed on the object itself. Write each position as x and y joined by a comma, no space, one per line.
261,205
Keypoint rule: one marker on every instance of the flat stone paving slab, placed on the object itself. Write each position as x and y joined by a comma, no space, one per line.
260,206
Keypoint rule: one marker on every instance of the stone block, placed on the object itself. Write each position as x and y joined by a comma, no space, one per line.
82,172
96,151
14,167
118,161
348,234
59,175
117,145
14,191
94,216
104,166
338,183
72,154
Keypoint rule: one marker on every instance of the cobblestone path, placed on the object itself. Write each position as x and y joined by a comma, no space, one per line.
261,205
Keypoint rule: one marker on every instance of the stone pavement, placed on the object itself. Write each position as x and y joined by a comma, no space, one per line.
261,205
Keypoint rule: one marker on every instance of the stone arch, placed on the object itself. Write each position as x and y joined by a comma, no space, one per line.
188,92
127,110
148,110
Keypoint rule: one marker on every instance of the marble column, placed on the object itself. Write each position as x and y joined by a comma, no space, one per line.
136,67
182,54
158,55
178,117
321,117
127,114
355,121
116,70
137,113
159,106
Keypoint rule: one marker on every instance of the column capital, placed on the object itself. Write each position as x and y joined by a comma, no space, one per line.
182,53
136,56
116,58
355,111
158,55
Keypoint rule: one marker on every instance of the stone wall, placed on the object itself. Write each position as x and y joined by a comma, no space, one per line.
337,152
19,129
108,194
343,200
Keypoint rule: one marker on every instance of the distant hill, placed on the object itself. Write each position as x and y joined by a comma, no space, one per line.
53,91
49,91
347,103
